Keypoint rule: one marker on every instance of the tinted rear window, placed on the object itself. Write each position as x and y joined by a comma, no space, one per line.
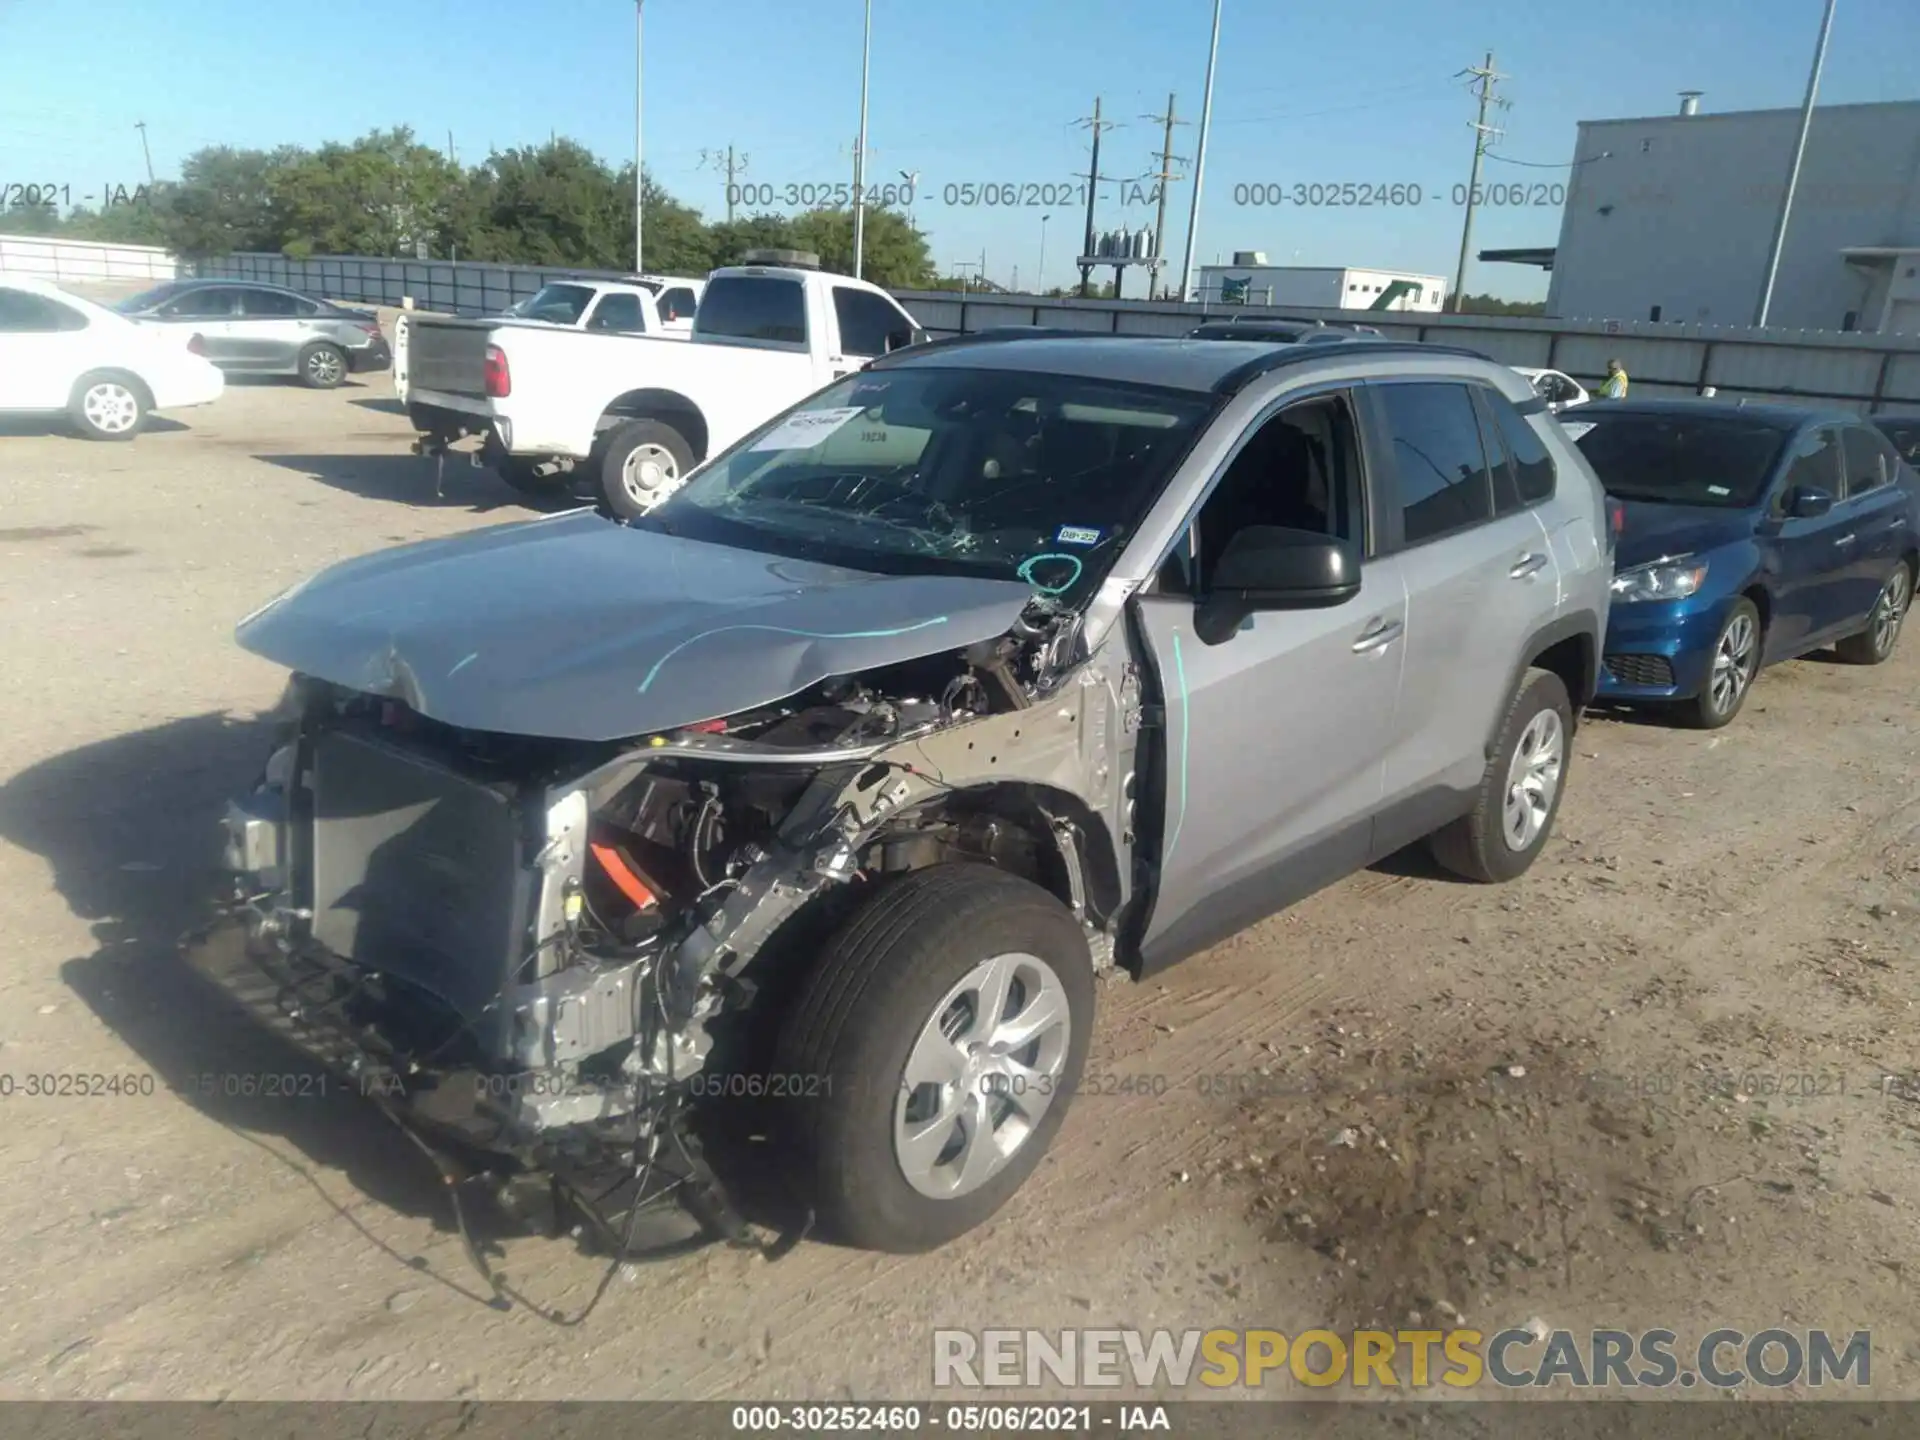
753,307
1679,460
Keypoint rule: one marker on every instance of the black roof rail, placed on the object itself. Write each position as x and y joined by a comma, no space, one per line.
1009,332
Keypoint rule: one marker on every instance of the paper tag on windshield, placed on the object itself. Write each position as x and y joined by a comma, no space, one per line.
1576,428
807,429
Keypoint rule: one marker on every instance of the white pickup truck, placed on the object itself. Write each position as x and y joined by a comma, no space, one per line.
640,411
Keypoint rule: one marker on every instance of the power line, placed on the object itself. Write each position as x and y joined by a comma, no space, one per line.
733,167
1483,79
1094,123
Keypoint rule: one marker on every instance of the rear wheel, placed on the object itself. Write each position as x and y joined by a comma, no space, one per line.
641,464
1736,660
108,406
322,366
1874,645
933,1053
1519,791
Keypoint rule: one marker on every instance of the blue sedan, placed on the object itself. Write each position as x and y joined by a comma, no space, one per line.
1748,534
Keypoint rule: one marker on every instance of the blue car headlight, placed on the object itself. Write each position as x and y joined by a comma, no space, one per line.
1662,580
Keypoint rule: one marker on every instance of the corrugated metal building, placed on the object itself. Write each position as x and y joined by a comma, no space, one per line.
1670,218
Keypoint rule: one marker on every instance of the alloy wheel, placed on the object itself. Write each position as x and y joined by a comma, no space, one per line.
1733,665
1533,779
1890,610
983,1071
324,367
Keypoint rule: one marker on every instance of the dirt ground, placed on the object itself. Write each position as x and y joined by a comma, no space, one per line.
1664,1080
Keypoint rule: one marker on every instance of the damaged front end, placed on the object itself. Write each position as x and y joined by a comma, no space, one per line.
520,947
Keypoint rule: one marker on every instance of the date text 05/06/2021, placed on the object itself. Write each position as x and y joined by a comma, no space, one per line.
61,194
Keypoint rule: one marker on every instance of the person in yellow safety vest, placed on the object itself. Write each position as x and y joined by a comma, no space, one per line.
1614,387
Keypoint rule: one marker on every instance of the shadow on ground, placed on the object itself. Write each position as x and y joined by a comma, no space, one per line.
386,405
24,425
130,829
409,480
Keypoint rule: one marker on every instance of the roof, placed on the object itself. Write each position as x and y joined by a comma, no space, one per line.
1780,417
1541,255
1201,366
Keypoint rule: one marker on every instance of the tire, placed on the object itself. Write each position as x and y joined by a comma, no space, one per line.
1874,645
920,948
540,478
1520,792
1734,663
322,366
641,463
109,405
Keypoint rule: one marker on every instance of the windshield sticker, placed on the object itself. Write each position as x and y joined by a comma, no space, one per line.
807,429
1576,428
1078,535
1059,582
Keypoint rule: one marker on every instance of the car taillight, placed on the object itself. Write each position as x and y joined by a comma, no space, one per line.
1616,522
372,327
499,377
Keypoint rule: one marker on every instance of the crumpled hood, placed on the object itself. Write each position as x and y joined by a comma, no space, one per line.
578,628
1652,531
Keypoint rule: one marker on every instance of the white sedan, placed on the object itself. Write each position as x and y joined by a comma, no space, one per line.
59,352
1557,389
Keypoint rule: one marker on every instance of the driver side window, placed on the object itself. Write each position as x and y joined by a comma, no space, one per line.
1298,469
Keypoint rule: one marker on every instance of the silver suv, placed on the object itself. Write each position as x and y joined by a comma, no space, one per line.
810,804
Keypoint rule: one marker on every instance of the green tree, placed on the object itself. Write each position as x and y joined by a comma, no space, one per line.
895,253
20,218
552,204
385,194
1494,305
222,202
677,240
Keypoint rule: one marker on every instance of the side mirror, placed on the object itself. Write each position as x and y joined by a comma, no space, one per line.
1271,567
901,339
1809,502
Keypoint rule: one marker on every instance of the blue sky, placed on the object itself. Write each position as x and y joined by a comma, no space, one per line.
976,91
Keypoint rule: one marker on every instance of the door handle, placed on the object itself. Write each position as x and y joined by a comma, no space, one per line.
1380,633
1527,566
1844,540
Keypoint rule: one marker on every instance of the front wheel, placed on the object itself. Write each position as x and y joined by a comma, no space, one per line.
641,465
935,1049
1734,662
1874,645
108,407
1519,791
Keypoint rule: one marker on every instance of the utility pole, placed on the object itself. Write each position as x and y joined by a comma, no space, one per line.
733,168
1164,177
450,159
141,126
1484,77
1040,271
1793,171
1096,124
1200,158
639,169
860,154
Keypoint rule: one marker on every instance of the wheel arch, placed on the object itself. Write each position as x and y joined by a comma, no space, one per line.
131,378
1567,646
668,406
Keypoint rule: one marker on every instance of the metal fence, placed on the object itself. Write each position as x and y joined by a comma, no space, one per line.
1859,372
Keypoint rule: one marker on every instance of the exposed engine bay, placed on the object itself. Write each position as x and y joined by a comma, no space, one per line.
524,948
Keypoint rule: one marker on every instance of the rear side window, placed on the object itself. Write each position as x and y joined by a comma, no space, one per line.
22,313
213,303
1439,465
1523,470
618,312
1870,459
677,303
263,303
766,308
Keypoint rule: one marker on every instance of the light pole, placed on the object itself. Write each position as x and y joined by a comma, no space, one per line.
1040,274
1793,171
912,177
640,173
860,154
1200,159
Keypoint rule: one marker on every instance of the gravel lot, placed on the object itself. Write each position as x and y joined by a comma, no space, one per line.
1565,1099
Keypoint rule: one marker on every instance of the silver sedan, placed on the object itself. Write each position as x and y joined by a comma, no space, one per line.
244,327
